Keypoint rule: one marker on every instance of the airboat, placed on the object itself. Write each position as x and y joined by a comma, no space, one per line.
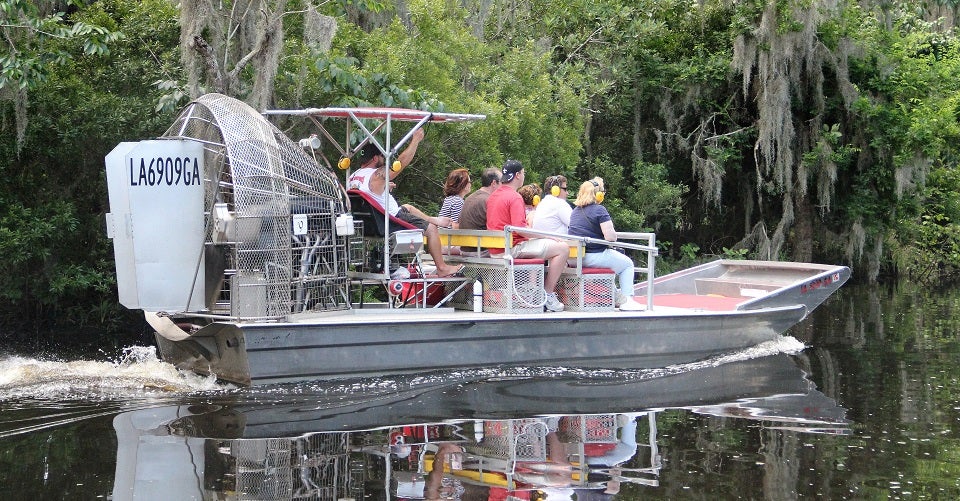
253,262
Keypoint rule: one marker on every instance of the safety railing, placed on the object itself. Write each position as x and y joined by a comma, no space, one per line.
650,248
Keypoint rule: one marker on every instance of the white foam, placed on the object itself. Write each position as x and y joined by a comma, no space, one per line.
137,372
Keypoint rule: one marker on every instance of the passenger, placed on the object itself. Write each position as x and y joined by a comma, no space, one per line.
603,460
455,188
505,207
553,212
370,179
474,213
438,485
531,197
590,219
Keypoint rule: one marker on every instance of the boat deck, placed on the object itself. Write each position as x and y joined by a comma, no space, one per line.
665,304
710,302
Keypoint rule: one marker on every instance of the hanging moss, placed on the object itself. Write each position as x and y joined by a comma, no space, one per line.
781,63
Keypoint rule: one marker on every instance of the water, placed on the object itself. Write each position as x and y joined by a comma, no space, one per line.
862,401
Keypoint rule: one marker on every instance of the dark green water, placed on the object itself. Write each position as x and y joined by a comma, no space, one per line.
870,409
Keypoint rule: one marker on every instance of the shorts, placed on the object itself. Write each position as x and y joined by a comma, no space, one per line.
532,249
408,217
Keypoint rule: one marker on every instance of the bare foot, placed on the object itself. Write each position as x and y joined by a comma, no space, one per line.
449,271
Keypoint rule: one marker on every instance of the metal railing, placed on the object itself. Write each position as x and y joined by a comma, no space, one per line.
650,248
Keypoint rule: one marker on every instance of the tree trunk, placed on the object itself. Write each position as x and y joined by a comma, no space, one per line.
802,235
214,73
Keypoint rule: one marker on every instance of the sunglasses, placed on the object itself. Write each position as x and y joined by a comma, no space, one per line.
552,178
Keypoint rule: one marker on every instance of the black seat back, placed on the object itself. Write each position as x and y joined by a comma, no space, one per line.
367,210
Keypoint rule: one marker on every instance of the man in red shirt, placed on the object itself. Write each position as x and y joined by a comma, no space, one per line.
505,207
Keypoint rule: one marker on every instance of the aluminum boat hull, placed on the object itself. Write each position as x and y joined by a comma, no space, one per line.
376,341
362,343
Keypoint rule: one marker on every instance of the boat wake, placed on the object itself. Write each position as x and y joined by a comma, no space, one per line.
37,394
137,373
371,387
785,345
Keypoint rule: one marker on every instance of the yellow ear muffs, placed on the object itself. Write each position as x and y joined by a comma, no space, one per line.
599,195
536,200
555,191
344,163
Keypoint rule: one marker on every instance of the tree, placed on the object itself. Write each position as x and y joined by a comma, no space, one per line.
771,112
28,31
234,48
53,250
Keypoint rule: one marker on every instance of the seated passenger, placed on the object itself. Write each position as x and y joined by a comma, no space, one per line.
505,207
455,188
553,212
590,219
531,197
370,179
474,213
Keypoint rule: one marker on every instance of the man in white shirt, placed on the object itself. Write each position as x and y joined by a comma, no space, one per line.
370,179
553,212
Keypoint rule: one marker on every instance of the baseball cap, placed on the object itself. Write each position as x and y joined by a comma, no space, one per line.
369,151
510,170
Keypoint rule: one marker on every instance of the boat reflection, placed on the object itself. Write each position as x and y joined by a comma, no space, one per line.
475,435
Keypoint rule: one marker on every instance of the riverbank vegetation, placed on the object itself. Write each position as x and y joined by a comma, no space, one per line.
788,129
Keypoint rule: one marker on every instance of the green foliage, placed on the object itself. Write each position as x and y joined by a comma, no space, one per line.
688,251
33,42
928,249
640,93
735,253
907,122
640,198
41,277
53,247
26,238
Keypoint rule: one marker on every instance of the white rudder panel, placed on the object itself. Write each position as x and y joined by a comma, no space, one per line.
157,223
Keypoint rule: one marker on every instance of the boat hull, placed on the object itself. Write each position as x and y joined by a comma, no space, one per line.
369,343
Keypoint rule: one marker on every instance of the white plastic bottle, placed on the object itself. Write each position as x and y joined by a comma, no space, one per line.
477,296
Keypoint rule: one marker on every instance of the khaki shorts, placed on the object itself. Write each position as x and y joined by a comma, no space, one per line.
532,249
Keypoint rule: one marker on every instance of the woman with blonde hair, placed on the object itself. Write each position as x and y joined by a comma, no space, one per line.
591,219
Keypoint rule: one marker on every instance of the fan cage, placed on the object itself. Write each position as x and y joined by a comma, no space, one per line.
271,247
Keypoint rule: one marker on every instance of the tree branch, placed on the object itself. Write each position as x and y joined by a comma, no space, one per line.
210,62
261,43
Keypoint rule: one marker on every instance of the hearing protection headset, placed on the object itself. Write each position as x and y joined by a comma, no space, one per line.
599,195
555,189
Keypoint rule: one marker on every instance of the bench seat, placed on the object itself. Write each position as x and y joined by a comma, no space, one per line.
592,289
579,288
509,286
